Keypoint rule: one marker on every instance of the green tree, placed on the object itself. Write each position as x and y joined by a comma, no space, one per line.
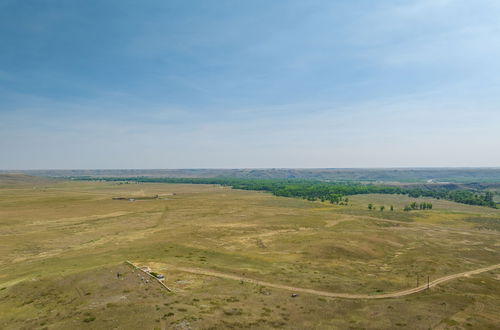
382,208
370,206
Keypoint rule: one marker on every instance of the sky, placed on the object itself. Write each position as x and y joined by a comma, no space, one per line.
91,84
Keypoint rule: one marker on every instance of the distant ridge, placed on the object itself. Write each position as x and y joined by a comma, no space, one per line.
420,175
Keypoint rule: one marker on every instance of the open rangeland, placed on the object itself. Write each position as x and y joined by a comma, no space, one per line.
234,259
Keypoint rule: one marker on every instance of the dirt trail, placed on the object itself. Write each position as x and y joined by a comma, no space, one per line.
326,293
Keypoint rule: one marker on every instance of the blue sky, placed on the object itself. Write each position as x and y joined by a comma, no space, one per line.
194,84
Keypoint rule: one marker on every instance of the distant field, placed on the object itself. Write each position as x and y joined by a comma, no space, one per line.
63,242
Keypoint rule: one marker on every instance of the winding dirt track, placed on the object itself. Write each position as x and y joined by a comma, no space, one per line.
333,294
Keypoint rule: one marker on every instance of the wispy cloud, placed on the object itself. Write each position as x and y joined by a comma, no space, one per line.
256,84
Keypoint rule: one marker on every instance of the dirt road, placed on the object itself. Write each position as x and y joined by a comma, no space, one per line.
326,293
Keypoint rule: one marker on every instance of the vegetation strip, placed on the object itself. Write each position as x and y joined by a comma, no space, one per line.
323,190
334,294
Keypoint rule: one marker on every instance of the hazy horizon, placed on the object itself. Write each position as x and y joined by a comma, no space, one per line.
231,85
257,168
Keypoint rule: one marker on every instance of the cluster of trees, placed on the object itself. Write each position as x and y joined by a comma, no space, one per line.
381,208
334,192
334,199
460,196
418,206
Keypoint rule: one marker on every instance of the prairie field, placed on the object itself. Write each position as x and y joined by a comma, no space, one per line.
234,258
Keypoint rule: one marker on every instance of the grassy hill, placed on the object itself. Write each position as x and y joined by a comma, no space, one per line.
63,243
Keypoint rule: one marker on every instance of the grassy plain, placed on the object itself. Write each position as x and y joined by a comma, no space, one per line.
62,243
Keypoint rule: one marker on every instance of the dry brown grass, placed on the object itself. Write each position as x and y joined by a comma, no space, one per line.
55,231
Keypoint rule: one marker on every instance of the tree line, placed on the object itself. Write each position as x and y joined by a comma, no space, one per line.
418,206
381,208
334,192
